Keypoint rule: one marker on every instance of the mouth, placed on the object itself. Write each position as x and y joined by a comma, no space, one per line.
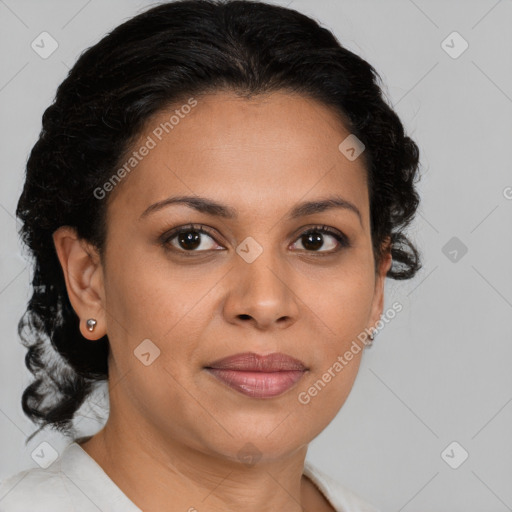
258,376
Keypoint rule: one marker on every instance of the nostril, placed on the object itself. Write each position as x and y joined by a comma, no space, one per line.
245,317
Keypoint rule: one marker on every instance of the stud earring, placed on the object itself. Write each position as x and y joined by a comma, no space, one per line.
91,324
371,337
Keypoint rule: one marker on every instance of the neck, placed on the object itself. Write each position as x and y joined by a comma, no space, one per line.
182,478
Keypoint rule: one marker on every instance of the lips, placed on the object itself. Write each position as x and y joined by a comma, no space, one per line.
258,376
251,362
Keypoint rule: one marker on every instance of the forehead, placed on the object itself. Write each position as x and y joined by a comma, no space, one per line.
244,152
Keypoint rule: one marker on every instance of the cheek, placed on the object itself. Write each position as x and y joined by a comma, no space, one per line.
150,303
340,303
344,308
151,297
341,309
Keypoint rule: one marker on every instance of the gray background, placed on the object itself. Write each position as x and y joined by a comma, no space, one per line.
440,371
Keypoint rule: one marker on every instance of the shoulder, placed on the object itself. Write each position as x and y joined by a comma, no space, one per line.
342,498
37,490
74,482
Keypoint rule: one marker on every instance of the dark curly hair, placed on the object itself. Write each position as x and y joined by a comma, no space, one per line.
155,59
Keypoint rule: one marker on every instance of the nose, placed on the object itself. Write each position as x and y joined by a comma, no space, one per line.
261,293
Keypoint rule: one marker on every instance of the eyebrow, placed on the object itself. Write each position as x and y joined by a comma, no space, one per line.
211,207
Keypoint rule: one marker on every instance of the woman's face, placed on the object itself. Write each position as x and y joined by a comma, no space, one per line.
249,283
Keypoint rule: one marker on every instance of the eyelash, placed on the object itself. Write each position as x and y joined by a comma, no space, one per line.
166,238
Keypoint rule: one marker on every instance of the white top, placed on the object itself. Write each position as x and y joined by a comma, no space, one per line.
75,482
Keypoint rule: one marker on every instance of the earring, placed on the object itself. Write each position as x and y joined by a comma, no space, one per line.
91,324
371,336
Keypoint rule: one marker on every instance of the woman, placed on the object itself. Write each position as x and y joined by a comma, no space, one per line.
215,200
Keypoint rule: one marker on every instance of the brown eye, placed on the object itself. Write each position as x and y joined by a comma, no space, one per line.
315,239
189,239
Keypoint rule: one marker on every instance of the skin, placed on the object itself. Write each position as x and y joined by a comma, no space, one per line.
173,428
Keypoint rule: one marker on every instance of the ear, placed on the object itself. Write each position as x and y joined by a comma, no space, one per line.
380,278
83,274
